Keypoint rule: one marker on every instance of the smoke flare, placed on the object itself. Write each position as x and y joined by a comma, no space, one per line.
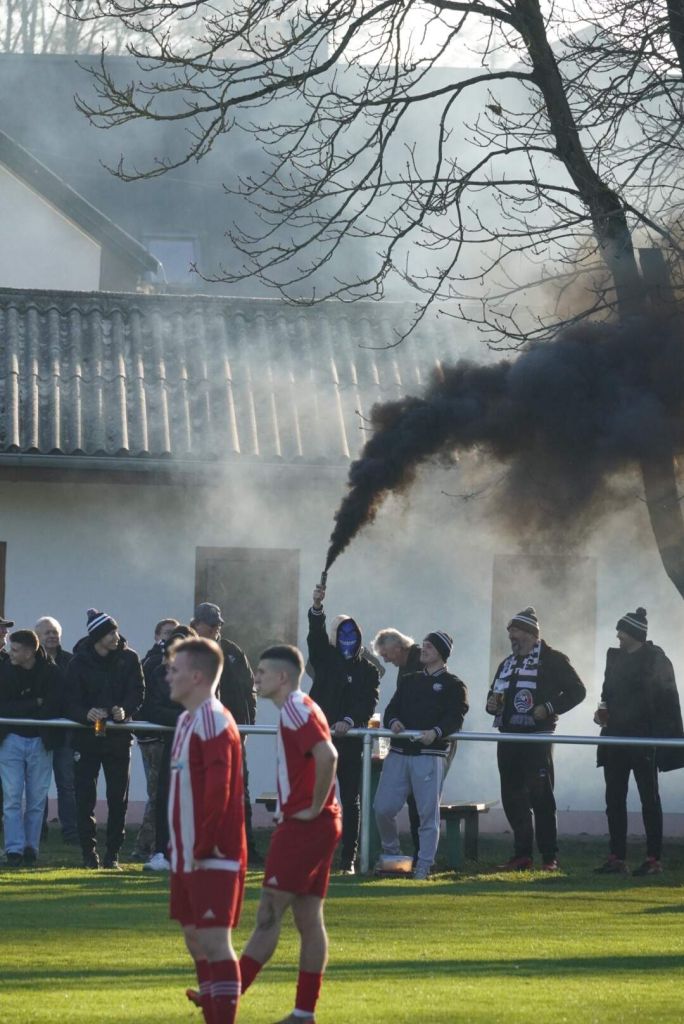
565,418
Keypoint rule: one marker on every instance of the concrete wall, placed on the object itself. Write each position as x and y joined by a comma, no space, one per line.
130,549
39,246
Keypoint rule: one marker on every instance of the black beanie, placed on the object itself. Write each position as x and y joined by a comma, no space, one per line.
441,642
527,620
99,624
634,624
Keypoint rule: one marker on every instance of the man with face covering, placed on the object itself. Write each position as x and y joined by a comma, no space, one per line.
345,687
531,688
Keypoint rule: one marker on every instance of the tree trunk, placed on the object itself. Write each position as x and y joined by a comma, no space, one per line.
613,235
675,19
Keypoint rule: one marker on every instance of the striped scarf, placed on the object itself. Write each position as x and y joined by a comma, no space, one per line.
521,676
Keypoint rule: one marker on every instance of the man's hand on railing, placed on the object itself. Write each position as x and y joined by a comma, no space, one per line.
95,714
118,714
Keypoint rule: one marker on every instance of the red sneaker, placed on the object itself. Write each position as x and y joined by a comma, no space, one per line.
517,864
651,866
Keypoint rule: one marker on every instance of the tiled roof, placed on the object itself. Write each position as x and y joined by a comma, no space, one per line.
48,184
196,379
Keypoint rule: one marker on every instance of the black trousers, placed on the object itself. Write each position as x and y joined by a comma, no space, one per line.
349,753
115,762
526,771
618,763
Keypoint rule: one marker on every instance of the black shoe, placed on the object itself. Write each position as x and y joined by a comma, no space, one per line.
91,860
111,862
14,860
30,857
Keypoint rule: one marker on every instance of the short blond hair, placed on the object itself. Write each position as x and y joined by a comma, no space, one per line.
391,636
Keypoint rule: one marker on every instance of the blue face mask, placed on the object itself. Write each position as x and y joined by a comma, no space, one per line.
348,639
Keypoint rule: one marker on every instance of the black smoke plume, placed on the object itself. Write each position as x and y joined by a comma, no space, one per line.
565,418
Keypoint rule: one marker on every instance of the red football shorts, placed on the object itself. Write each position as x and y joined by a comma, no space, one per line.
300,855
207,898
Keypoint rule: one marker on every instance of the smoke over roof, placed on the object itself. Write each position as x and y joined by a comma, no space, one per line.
565,418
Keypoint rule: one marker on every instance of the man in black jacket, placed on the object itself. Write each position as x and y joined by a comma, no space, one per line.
531,688
435,702
639,698
345,687
104,682
397,649
236,692
30,687
49,632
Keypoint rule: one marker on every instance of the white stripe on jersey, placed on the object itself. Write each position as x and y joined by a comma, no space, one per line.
293,715
206,722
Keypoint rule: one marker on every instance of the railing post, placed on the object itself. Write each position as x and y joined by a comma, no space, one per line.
365,803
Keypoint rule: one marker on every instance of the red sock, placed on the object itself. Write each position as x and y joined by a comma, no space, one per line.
203,969
225,990
249,968
308,991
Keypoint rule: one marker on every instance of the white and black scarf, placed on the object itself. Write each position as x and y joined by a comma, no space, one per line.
521,675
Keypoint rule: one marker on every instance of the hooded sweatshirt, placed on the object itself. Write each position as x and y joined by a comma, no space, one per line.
32,693
346,689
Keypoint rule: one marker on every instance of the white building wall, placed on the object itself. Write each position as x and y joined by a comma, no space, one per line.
39,246
130,550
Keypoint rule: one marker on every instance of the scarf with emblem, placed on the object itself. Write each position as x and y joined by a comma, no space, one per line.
518,675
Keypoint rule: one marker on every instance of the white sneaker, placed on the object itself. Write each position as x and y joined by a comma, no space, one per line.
157,862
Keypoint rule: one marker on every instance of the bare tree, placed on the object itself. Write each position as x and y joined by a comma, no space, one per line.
486,185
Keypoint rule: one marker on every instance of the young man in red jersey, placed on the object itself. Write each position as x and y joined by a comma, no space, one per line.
299,857
208,849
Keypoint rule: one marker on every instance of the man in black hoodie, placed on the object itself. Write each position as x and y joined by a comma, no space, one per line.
49,632
104,683
639,698
531,688
30,687
345,687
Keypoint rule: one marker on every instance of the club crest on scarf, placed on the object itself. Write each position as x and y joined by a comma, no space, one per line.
520,675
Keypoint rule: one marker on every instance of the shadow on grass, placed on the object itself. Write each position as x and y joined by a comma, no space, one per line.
677,908
520,968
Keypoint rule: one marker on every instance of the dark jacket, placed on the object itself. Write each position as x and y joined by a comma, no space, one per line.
32,693
423,701
558,687
61,659
413,663
344,689
161,709
153,660
96,682
640,692
236,686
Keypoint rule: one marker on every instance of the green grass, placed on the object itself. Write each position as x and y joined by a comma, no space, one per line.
90,947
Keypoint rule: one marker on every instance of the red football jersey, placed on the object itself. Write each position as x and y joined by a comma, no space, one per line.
206,799
302,725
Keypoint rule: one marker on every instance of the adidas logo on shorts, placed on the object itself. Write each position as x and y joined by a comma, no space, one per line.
272,880
208,915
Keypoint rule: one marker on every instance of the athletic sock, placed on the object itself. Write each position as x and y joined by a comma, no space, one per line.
225,990
203,969
308,991
249,968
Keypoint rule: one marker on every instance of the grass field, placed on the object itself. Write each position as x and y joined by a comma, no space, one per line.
90,947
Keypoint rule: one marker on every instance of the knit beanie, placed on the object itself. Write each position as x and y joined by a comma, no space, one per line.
634,624
441,642
526,620
99,624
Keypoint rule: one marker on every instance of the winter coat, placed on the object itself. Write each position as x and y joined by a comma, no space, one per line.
32,693
424,700
557,687
641,695
344,689
96,682
161,709
236,686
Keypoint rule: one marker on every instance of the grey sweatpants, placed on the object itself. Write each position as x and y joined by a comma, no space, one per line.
402,774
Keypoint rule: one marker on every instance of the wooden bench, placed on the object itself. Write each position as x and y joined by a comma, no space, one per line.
269,800
460,843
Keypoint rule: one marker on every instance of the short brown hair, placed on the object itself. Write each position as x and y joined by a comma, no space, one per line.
25,637
287,653
204,655
165,622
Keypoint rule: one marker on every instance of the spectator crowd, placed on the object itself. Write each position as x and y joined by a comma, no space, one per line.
103,681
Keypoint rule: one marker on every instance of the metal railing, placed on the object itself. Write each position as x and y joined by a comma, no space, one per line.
367,736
